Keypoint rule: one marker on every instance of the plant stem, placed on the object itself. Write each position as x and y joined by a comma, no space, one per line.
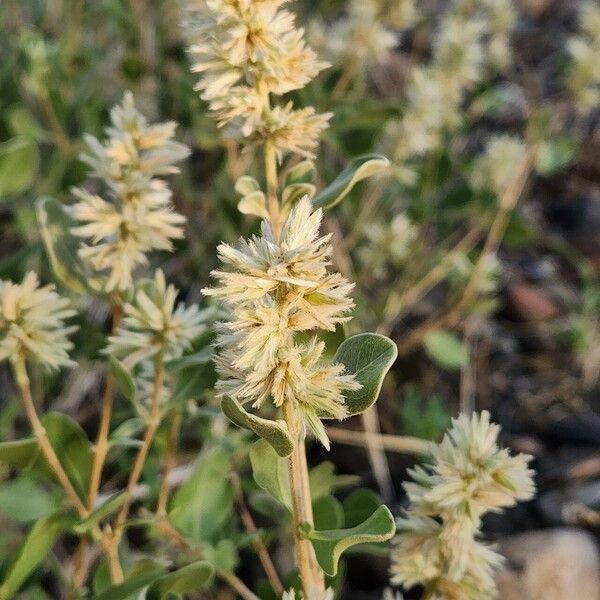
163,495
20,371
259,546
310,573
113,537
238,585
101,446
271,175
392,443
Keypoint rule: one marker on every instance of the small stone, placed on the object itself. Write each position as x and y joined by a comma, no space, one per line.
553,564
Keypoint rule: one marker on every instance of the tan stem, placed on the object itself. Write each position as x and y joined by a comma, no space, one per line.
391,443
20,371
101,446
112,538
258,544
313,582
170,459
271,175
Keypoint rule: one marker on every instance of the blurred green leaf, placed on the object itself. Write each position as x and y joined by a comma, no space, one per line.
19,159
24,500
328,513
274,432
191,578
19,453
359,506
62,248
223,556
107,508
359,168
131,587
446,349
72,448
35,548
553,155
323,480
367,356
204,503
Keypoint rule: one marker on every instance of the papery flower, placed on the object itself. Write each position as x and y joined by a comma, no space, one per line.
583,75
153,325
290,594
246,51
32,322
138,216
437,543
278,287
496,168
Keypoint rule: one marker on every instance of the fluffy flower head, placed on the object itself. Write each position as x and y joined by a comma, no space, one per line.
32,321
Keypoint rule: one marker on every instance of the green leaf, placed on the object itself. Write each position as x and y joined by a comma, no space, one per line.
62,248
360,168
72,448
274,432
328,513
223,556
19,453
367,356
446,349
246,185
123,378
19,158
330,544
323,480
101,512
191,578
254,204
201,357
127,589
204,503
271,472
553,155
359,505
35,549
24,500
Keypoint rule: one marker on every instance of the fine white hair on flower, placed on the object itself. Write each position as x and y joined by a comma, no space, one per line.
437,542
32,322
277,288
245,51
154,325
138,216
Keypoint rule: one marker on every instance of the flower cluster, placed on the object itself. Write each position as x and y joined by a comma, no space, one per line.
495,169
290,594
472,37
153,325
277,287
470,475
246,50
584,72
138,217
365,35
388,244
32,323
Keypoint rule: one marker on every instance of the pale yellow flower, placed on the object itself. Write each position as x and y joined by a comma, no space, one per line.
152,324
137,217
32,322
276,288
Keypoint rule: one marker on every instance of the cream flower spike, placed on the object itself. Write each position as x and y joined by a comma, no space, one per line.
32,323
246,51
153,325
277,288
438,541
138,217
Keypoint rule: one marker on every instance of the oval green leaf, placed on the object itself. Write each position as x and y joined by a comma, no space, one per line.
367,356
360,168
271,472
446,349
274,432
19,159
106,509
191,578
329,545
19,453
